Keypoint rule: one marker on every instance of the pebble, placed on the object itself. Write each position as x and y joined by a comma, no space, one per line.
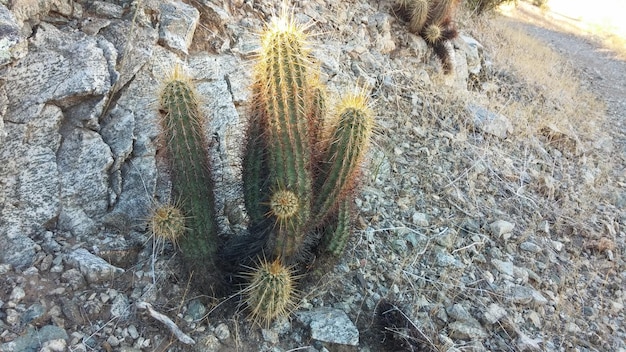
530,247
501,227
209,343
466,331
459,313
420,219
120,308
94,268
222,332
74,278
195,311
447,239
535,319
113,341
444,260
33,313
505,268
525,295
558,246
16,295
58,345
494,313
132,331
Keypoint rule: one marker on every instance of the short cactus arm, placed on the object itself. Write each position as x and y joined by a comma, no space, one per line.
344,153
336,237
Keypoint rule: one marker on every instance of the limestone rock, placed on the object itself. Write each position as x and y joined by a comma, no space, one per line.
501,227
84,194
12,45
490,122
33,339
61,67
472,49
178,24
93,267
141,46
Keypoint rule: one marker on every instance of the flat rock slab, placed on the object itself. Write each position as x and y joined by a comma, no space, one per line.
330,325
93,267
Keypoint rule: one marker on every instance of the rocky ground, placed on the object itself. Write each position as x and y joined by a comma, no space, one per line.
471,235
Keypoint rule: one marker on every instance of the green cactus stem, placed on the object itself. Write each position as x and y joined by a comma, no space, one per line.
191,177
346,148
282,77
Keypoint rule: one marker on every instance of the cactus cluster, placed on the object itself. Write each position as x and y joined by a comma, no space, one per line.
432,20
300,170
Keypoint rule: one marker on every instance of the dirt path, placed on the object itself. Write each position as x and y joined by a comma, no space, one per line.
605,75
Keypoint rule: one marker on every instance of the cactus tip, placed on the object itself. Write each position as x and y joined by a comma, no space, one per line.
271,292
167,222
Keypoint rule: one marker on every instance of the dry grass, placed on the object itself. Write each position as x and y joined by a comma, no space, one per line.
551,93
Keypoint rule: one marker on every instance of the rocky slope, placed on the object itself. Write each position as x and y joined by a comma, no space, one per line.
458,245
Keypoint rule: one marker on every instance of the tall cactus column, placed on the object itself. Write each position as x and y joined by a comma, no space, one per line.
191,176
282,81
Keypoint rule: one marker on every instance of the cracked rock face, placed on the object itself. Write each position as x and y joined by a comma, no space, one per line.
80,122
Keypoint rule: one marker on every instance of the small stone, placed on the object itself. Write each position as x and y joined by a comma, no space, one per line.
420,219
13,317
530,247
93,267
33,313
195,310
222,332
106,9
46,263
558,246
501,227
330,325
17,294
458,312
466,331
525,295
132,331
444,260
209,343
177,26
120,308
270,336
58,345
494,313
446,240
505,268
113,341
616,307
572,328
5,268
74,278
490,122
535,319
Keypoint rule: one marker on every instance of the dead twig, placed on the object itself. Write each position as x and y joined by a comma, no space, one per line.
181,336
